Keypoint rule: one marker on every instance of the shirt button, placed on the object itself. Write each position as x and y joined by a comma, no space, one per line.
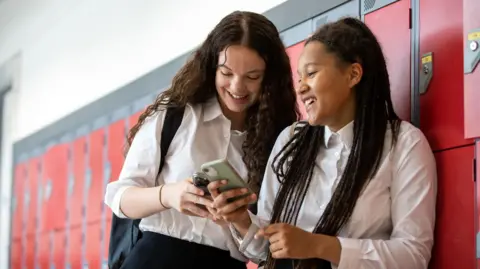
337,154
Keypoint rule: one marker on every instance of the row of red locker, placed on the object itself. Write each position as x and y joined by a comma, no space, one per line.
76,248
65,184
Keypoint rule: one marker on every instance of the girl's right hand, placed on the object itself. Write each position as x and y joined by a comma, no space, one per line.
184,197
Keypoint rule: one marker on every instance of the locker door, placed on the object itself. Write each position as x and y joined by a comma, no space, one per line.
59,249
44,251
454,232
134,119
95,184
76,200
75,246
441,116
55,186
116,142
471,37
93,246
16,254
30,247
394,38
18,200
34,186
294,53
106,239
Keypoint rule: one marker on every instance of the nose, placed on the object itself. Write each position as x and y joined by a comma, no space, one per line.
236,84
302,88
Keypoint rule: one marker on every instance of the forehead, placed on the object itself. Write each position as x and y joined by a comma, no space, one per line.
240,58
314,52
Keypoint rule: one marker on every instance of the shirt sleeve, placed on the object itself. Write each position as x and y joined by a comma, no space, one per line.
413,197
257,249
141,163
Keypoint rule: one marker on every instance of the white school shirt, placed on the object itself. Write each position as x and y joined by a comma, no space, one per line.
392,225
204,135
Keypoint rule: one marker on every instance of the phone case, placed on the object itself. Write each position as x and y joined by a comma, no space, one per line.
221,169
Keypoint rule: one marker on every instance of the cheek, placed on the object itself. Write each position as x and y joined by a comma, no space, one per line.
221,82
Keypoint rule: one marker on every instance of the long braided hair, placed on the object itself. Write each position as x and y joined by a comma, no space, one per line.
350,41
195,84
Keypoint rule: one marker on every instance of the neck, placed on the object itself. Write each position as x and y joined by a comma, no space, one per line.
236,118
347,115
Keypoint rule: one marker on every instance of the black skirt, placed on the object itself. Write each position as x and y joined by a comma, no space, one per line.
157,251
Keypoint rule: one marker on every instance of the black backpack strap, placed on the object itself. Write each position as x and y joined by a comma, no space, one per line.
172,122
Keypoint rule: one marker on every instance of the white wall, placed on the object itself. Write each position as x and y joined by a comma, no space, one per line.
70,53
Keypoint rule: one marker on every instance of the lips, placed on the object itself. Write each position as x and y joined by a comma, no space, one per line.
308,101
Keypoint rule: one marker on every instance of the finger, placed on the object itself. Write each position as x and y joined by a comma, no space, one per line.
214,185
237,204
221,199
275,247
197,210
198,199
260,233
276,238
280,254
194,190
274,228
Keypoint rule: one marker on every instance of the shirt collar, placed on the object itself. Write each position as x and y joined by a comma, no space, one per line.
211,109
345,134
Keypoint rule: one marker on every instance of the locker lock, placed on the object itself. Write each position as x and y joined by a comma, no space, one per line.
471,52
473,45
426,73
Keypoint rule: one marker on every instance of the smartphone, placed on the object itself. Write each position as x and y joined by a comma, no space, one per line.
222,170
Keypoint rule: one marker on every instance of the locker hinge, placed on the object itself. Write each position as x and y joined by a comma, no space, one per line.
409,18
474,169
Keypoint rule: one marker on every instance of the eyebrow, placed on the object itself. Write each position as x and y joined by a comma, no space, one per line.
251,71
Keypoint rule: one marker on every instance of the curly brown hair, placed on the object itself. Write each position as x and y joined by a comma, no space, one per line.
195,83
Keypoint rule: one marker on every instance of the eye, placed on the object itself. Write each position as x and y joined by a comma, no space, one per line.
225,74
253,77
311,74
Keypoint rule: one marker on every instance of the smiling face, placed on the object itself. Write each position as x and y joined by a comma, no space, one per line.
326,86
239,78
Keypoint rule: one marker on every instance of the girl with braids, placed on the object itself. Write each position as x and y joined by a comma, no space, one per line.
355,187
238,96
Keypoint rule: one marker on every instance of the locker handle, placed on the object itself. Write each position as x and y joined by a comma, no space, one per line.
471,55
426,72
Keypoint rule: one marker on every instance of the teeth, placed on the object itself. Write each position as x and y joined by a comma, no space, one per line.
237,96
309,101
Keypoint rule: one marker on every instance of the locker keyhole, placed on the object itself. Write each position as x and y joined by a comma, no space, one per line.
426,70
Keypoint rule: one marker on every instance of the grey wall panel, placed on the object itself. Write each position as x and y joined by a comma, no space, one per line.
351,9
294,17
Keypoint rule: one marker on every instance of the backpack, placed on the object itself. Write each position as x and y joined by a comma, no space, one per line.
125,233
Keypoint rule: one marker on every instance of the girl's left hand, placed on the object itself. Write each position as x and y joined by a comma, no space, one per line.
289,242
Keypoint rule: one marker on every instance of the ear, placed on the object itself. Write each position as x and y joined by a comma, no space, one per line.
355,74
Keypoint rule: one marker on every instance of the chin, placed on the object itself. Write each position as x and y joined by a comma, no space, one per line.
315,120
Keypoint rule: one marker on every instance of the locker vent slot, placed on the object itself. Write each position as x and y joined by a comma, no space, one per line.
368,4
321,22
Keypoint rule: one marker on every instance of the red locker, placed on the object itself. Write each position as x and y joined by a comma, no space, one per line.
116,143
75,245
454,232
294,53
20,179
394,38
16,254
441,117
34,186
477,198
79,165
134,119
55,187
93,246
30,246
44,250
106,238
59,249
471,37
95,191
